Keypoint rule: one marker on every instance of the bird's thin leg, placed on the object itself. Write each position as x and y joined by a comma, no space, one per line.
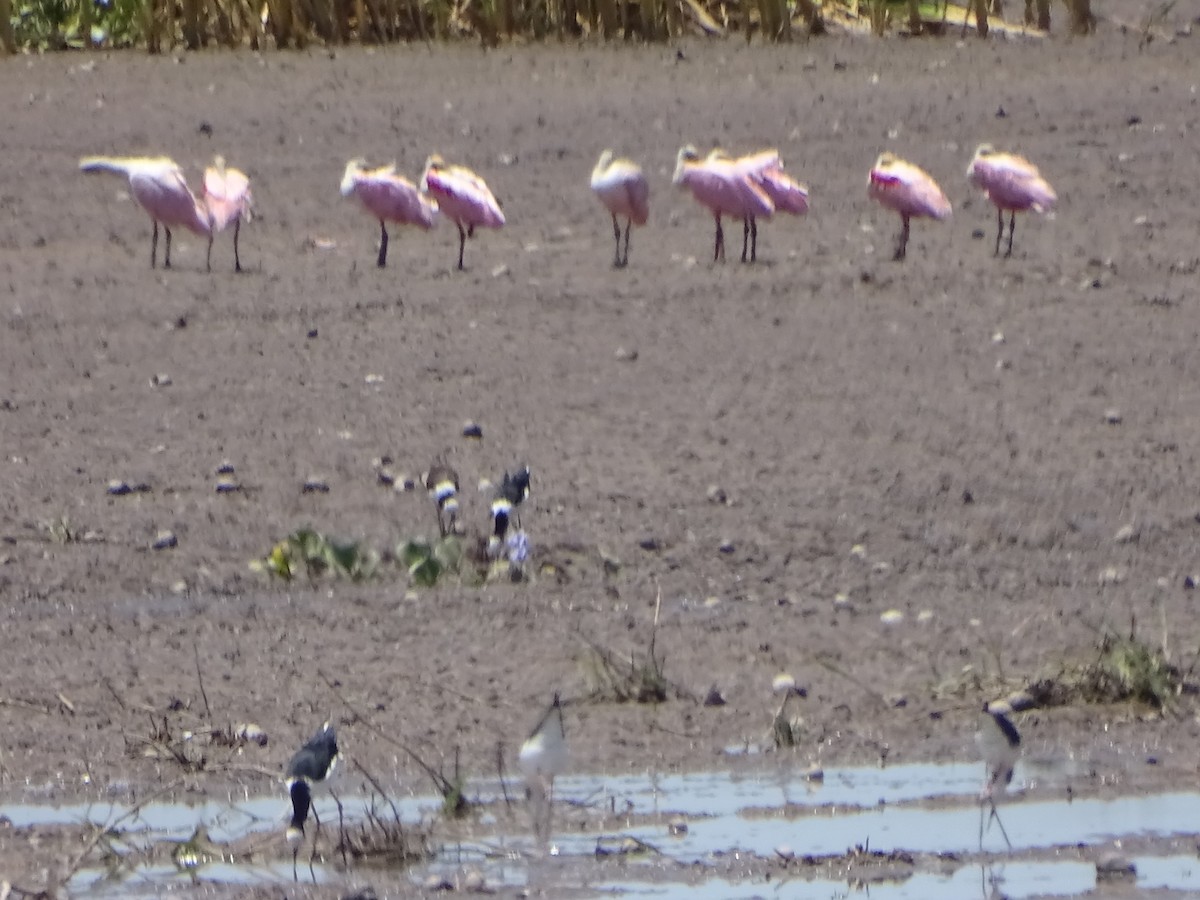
316,836
745,236
154,246
981,824
382,261
167,254
617,238
237,230
996,815
999,229
1012,226
341,828
753,240
462,244
296,853
719,242
902,246
625,257
208,254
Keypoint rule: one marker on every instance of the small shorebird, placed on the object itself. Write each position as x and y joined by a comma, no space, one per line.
311,767
1000,745
512,490
907,189
442,483
624,191
543,757
724,189
389,198
765,168
1013,184
227,198
159,187
463,197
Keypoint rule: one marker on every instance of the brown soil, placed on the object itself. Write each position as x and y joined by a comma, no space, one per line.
834,397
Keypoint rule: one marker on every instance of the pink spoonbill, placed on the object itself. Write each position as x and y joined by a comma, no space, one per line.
719,184
623,190
463,197
227,199
160,189
389,198
1013,184
907,189
765,168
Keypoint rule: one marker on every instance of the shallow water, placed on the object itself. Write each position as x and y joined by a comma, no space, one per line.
920,809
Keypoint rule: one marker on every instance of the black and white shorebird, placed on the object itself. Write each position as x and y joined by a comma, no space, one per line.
309,769
442,483
1000,744
511,491
542,757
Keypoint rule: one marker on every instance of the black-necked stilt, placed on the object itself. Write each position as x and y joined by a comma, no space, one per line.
1000,743
442,483
512,490
311,767
543,756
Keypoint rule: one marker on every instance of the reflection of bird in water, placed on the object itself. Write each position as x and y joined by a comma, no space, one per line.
908,190
442,483
310,768
1012,183
1000,744
510,493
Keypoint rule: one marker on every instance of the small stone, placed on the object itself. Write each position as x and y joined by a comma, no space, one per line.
164,540
118,488
1125,534
813,773
1111,575
784,852
225,468
372,378
312,334
677,827
925,615
891,617
179,587
624,355
727,547
783,683
386,478
998,337
650,544
1114,867
1112,416
160,380
475,883
858,551
1190,582
842,601
438,883
315,486
472,430
500,270
227,486
714,697
251,734
716,494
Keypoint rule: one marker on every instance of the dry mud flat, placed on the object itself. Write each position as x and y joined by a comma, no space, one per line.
982,430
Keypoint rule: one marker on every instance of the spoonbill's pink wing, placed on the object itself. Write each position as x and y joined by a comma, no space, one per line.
227,195
464,197
623,189
164,194
393,198
1013,183
908,190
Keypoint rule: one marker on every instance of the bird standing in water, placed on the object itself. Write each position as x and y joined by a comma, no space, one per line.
1000,745
310,768
513,489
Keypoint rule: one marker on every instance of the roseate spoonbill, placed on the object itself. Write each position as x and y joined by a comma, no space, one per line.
442,483
389,198
543,756
623,190
160,189
907,189
463,197
766,169
1000,744
512,491
227,198
726,190
1012,183
310,768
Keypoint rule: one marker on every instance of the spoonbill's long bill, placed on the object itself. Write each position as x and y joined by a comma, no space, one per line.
1013,184
389,198
907,189
720,185
622,188
159,187
463,197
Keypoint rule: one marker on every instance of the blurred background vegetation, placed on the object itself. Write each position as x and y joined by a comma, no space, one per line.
161,25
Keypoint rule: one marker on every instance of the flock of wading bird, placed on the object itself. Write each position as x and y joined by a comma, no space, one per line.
746,188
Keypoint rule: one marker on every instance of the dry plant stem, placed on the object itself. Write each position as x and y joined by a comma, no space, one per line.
826,663
200,678
101,830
